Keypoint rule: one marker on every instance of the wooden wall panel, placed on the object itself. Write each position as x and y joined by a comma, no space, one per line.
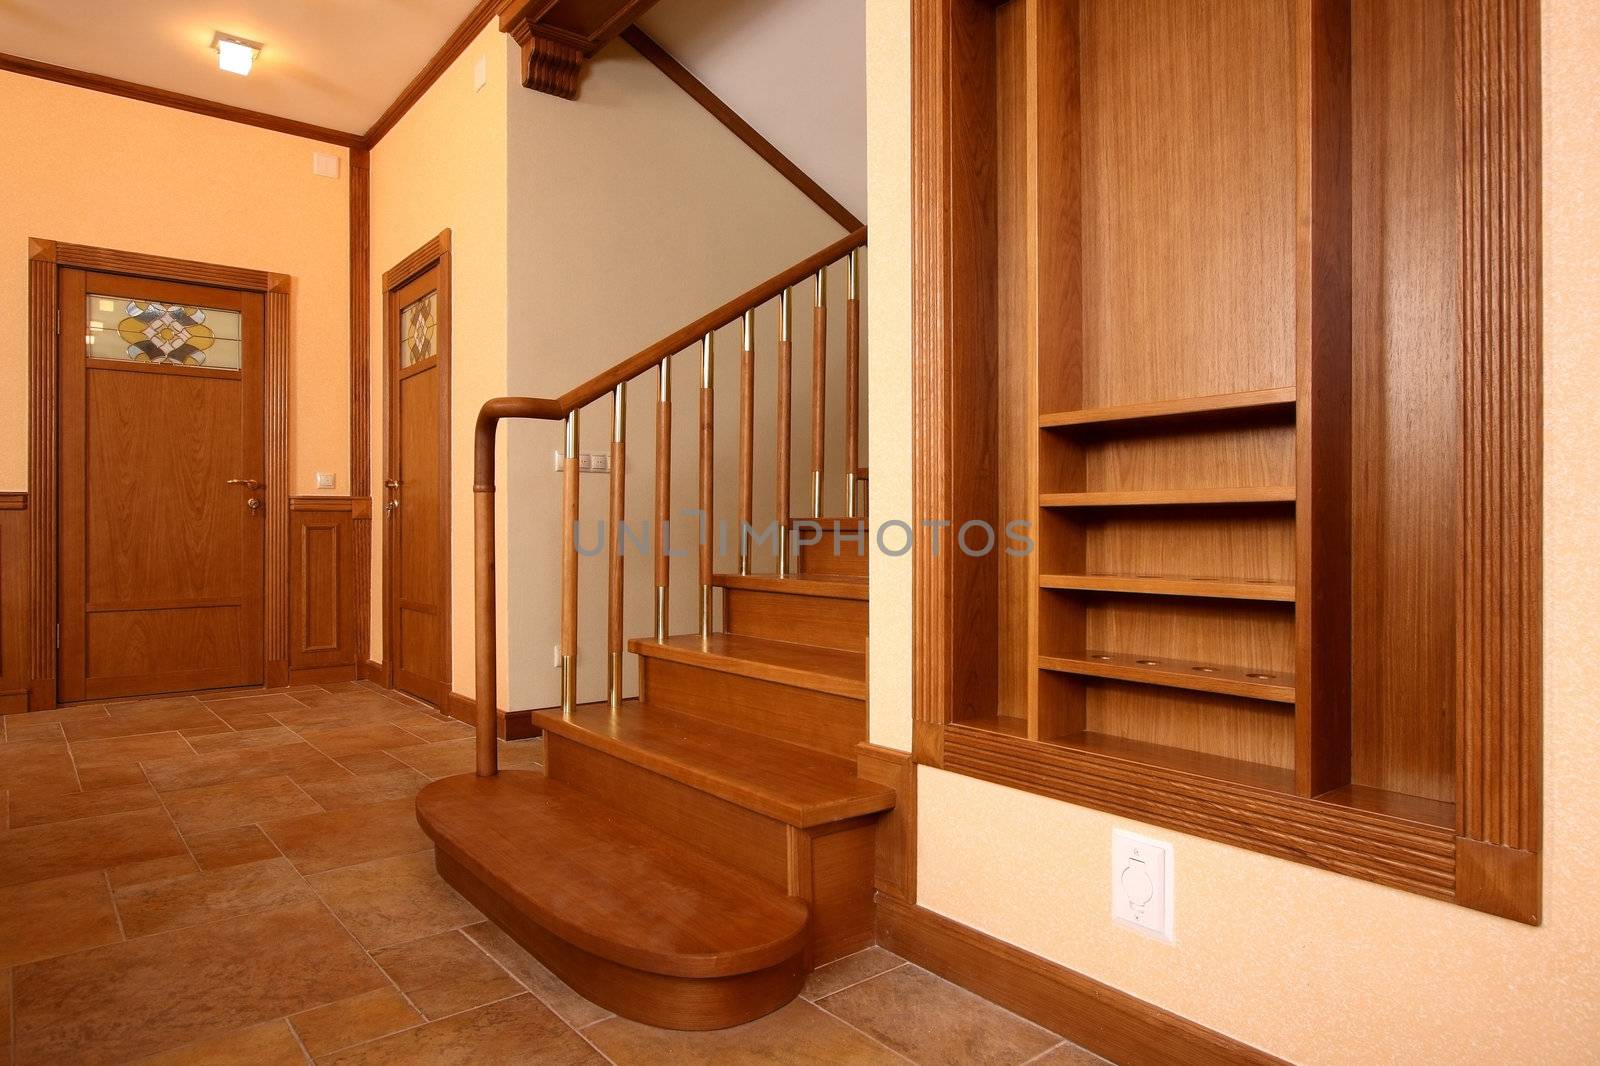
322,586
15,606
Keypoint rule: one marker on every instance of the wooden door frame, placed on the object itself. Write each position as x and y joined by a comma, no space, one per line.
435,252
46,260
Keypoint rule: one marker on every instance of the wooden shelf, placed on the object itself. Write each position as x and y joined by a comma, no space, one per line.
1146,585
1234,771
1170,497
1274,686
1158,410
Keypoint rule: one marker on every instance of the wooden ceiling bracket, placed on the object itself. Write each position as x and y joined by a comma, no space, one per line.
558,37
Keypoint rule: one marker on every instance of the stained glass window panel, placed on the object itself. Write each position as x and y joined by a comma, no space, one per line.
149,331
419,330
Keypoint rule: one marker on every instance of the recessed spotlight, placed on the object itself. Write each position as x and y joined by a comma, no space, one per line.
235,54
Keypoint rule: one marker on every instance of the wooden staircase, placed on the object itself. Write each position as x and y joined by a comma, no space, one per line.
690,855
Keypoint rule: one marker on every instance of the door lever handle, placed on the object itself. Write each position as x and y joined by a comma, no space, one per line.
247,482
391,484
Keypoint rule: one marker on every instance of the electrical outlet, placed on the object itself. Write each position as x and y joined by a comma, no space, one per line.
1141,884
588,462
555,656
600,463
324,481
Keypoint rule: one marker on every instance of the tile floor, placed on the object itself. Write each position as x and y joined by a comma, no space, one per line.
240,878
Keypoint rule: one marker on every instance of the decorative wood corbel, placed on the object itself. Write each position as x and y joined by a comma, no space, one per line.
558,36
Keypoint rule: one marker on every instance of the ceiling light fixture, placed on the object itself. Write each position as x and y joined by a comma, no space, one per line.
235,54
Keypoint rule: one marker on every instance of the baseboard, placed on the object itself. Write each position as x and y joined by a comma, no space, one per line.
14,702
367,670
510,725
1093,1015
321,675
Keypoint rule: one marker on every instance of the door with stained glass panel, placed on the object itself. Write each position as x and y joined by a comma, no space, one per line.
162,528
417,485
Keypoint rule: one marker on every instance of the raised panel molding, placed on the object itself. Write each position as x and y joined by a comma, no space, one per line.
15,608
322,586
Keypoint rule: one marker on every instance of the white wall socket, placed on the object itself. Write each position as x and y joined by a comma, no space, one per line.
324,481
1141,884
588,462
555,656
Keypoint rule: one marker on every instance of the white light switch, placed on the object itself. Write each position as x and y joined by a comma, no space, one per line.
1141,883
324,165
324,481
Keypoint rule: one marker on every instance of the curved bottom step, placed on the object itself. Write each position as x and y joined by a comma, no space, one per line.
644,927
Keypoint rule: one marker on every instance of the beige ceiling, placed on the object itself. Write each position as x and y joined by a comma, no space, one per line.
334,63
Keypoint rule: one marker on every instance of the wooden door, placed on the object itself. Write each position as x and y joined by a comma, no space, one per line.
417,487
162,528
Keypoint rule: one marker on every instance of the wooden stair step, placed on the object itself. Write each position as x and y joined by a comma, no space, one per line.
796,785
840,673
642,925
831,586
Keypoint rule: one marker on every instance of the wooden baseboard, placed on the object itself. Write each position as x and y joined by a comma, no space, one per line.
367,670
1093,1015
14,702
511,725
322,675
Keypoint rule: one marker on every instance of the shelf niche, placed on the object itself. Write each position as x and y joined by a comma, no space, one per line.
1199,323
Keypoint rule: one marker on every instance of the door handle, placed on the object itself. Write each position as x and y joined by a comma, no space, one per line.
391,484
250,483
392,505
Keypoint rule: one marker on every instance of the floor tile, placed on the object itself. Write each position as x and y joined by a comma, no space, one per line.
96,843
219,848
271,1044
142,873
325,840
371,762
433,728
393,900
235,803
936,1023
514,1030
71,712
374,736
210,896
535,976
38,766
254,703
160,992
130,751
119,775
271,735
42,919
299,762
1067,1054
32,808
798,1033
354,1021
156,717
446,974
358,790
451,757
852,969
19,727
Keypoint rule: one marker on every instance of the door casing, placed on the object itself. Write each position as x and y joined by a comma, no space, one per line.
435,254
46,260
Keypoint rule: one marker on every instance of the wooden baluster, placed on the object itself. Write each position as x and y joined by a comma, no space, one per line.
785,429
747,438
569,570
619,419
707,444
852,385
663,494
819,386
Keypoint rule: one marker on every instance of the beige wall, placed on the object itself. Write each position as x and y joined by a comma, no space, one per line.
443,166
632,212
1308,965
87,168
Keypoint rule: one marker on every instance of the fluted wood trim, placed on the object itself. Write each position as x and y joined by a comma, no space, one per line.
276,423
42,418
361,389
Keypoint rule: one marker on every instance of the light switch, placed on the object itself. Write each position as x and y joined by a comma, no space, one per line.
480,73
324,481
1141,884
324,165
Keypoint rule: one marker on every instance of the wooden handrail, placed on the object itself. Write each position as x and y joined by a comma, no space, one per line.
545,409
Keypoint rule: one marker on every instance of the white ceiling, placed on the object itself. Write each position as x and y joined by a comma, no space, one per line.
334,63
796,70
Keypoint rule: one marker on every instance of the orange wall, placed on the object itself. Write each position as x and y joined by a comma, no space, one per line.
87,168
1306,964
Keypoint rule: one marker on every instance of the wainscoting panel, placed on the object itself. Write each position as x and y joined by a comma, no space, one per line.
322,584
14,602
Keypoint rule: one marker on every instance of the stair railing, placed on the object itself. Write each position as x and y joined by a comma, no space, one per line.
614,382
